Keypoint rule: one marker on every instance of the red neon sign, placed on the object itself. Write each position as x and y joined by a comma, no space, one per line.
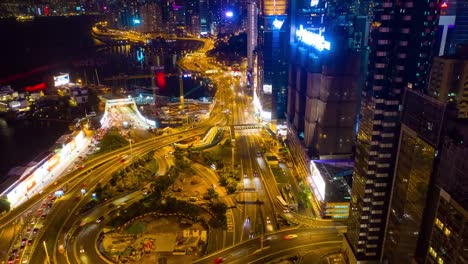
160,80
36,87
444,5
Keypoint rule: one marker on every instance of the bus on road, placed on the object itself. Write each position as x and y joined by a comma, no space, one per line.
282,201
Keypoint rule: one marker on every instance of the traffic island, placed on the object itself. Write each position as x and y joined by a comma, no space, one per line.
153,236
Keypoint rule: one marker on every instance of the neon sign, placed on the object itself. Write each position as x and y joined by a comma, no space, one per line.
229,14
277,23
140,55
136,21
314,2
312,39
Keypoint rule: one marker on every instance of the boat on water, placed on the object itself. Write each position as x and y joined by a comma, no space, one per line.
24,18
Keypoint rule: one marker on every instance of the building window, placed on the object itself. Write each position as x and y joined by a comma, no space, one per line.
432,252
447,232
381,53
439,223
384,29
378,76
385,17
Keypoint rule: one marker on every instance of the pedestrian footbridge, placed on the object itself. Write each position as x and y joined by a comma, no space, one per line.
247,126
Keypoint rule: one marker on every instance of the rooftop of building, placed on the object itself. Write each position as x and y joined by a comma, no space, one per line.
334,173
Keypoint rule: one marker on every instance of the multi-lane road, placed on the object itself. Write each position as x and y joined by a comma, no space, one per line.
252,223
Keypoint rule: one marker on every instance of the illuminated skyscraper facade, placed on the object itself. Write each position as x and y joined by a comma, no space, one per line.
274,7
252,32
401,46
421,128
326,76
272,60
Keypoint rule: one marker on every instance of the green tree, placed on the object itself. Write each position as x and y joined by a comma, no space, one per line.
112,140
231,188
4,205
218,208
98,191
223,181
211,193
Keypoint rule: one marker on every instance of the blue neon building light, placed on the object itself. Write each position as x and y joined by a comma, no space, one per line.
277,24
312,39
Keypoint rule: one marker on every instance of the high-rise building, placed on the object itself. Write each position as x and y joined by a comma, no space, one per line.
446,242
325,78
150,18
273,62
421,127
444,230
401,46
272,66
447,234
448,81
455,14
274,7
204,17
252,32
330,106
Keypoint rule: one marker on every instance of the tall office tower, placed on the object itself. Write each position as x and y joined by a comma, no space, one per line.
444,34
401,37
272,59
252,32
150,18
421,128
448,219
274,7
195,25
204,17
330,106
448,81
458,31
192,12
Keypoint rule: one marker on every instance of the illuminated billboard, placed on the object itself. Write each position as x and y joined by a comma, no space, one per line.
317,181
61,79
312,39
267,88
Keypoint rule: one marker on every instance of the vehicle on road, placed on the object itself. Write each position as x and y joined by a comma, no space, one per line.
283,203
290,236
218,260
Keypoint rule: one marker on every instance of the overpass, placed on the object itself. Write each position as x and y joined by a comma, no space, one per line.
118,111
247,126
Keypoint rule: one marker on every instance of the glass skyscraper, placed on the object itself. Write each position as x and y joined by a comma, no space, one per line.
401,46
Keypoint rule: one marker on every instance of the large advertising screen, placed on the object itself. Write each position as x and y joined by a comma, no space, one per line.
61,79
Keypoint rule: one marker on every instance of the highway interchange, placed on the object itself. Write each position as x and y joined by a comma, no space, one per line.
252,235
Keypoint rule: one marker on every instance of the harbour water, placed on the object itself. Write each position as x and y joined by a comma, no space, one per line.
39,49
